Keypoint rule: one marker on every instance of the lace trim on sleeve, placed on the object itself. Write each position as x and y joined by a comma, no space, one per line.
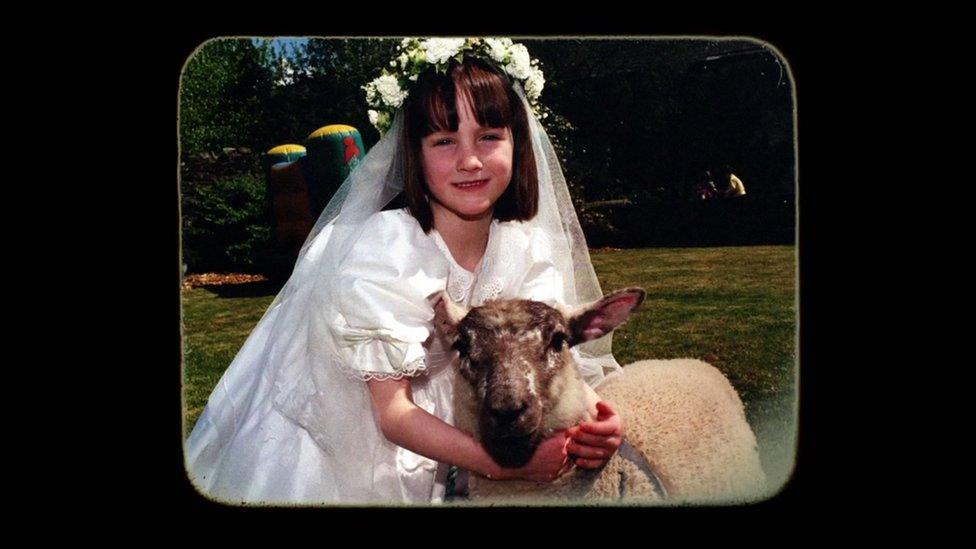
416,367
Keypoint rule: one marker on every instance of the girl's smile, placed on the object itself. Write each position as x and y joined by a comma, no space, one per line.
471,185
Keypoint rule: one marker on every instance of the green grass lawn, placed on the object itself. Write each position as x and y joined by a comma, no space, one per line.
733,307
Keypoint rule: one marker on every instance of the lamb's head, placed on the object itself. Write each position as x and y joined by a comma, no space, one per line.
514,359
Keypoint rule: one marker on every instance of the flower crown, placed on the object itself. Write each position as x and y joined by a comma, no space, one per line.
386,93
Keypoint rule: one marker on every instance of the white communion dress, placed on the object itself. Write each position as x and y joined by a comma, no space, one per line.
329,447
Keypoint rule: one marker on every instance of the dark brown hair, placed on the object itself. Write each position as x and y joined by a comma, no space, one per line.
431,106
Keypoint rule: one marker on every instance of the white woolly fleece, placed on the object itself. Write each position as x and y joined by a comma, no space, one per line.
687,421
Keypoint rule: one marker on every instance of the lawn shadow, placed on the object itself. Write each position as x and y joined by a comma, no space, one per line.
247,289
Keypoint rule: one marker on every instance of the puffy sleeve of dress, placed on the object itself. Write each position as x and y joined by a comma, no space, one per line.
382,317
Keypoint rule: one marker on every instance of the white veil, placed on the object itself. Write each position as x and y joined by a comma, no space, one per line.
287,363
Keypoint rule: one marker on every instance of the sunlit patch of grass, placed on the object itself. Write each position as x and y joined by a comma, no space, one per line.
214,329
733,307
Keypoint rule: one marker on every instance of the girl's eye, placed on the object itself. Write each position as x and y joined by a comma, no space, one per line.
492,137
444,141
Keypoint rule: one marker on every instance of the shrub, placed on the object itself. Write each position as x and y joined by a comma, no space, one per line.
226,226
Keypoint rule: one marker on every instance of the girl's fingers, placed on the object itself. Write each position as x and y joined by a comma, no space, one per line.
604,410
605,428
590,463
587,439
588,452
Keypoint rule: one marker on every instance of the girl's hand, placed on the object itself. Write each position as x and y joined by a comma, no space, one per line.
594,443
549,462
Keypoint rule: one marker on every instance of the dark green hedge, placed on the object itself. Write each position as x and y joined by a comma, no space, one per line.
226,226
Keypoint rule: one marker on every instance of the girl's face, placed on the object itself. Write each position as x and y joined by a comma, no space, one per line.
467,170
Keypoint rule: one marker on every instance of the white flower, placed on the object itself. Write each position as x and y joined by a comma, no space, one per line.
389,90
520,65
496,49
414,55
441,49
534,83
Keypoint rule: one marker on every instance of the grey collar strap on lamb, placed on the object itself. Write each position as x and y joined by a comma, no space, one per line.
628,452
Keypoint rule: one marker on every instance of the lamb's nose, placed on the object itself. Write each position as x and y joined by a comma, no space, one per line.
507,414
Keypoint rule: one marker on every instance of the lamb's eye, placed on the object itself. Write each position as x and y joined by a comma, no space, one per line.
461,345
558,340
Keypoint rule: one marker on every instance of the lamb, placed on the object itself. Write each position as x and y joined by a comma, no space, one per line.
687,439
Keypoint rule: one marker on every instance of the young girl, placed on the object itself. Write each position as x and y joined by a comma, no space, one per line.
342,393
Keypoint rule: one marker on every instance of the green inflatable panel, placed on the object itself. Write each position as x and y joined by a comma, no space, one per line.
333,151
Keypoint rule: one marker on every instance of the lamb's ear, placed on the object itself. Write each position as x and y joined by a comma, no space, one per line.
601,317
447,314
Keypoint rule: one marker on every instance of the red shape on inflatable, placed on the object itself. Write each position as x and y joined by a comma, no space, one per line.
352,151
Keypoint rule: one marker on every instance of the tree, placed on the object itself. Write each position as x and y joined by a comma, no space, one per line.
326,88
223,92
